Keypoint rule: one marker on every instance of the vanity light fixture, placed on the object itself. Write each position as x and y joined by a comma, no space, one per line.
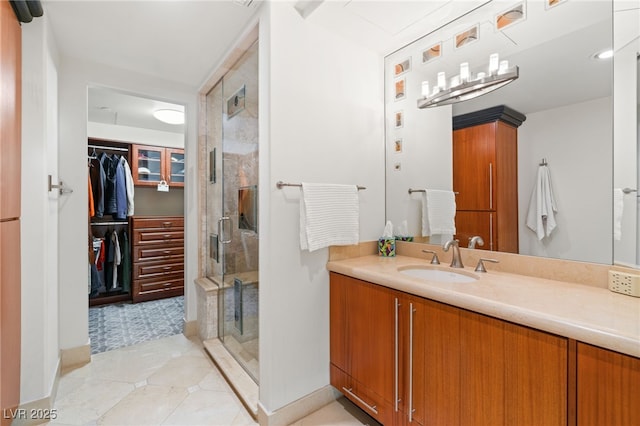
170,116
466,85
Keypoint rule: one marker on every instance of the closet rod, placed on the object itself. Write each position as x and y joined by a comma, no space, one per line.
108,223
108,148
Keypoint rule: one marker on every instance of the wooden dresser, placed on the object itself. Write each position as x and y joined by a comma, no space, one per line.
158,257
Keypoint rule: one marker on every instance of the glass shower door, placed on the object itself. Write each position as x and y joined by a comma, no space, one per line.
232,208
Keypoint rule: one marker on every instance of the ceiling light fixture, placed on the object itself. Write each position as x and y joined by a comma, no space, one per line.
170,116
467,85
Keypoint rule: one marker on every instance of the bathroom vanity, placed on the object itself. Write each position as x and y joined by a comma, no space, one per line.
503,349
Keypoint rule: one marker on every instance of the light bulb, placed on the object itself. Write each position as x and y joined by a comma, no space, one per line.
425,89
442,83
464,72
504,66
493,63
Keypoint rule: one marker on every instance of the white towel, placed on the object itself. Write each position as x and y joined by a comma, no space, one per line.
618,206
329,215
542,205
438,213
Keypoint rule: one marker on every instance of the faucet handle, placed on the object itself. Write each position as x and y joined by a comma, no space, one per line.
480,267
475,240
434,259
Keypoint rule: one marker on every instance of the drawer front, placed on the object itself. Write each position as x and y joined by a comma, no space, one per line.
146,237
160,223
156,289
373,404
168,252
158,270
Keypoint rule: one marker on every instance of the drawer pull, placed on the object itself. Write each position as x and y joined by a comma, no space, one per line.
372,409
167,236
166,268
167,252
167,224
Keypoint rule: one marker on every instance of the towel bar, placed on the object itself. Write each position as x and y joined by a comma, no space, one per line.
411,191
280,184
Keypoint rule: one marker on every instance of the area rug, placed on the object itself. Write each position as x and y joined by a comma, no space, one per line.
125,324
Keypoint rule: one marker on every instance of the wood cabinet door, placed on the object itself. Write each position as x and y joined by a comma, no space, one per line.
147,165
472,223
10,112
338,327
474,163
442,364
608,387
536,377
174,166
371,336
482,366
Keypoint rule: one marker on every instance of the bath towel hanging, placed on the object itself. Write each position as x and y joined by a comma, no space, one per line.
329,215
542,205
438,213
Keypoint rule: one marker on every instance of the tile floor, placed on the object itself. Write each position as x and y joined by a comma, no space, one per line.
170,381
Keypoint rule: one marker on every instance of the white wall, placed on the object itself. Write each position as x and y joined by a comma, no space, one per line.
137,135
75,76
321,120
39,347
579,137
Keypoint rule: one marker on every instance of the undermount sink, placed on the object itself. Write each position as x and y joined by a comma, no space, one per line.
441,275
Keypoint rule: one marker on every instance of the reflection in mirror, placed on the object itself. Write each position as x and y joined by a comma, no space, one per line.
566,97
627,133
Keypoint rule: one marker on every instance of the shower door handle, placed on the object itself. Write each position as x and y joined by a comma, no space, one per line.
221,221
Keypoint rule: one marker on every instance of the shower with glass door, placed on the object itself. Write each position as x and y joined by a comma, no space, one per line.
232,207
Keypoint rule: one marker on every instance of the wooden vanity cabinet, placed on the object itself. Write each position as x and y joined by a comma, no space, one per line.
608,387
362,344
485,177
455,367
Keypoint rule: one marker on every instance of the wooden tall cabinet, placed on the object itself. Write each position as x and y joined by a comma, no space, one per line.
10,161
485,177
151,164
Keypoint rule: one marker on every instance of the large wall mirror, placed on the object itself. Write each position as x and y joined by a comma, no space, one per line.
567,96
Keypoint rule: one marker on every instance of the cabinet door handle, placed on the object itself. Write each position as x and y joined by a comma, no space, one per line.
491,231
490,185
396,357
411,312
373,409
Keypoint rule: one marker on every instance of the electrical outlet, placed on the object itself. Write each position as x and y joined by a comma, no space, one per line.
624,283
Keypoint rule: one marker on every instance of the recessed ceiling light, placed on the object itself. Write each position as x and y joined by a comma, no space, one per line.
170,116
605,54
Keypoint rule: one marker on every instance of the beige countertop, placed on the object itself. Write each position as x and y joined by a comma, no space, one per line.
585,313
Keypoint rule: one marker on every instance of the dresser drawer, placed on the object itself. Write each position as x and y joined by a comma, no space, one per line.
147,237
158,269
168,252
160,223
151,289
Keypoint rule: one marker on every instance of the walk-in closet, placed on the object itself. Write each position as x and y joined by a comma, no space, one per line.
136,179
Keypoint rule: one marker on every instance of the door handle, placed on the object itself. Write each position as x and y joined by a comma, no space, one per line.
221,221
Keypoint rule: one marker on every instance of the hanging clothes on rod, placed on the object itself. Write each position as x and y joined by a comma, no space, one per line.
111,184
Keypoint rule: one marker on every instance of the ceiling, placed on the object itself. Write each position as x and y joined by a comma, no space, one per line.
166,39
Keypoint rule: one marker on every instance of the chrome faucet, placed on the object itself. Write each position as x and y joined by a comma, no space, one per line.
475,240
456,259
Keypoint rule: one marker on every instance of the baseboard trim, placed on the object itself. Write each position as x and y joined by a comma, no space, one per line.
190,328
75,357
41,410
298,409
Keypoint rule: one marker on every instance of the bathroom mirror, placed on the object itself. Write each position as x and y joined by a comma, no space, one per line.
566,95
626,241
